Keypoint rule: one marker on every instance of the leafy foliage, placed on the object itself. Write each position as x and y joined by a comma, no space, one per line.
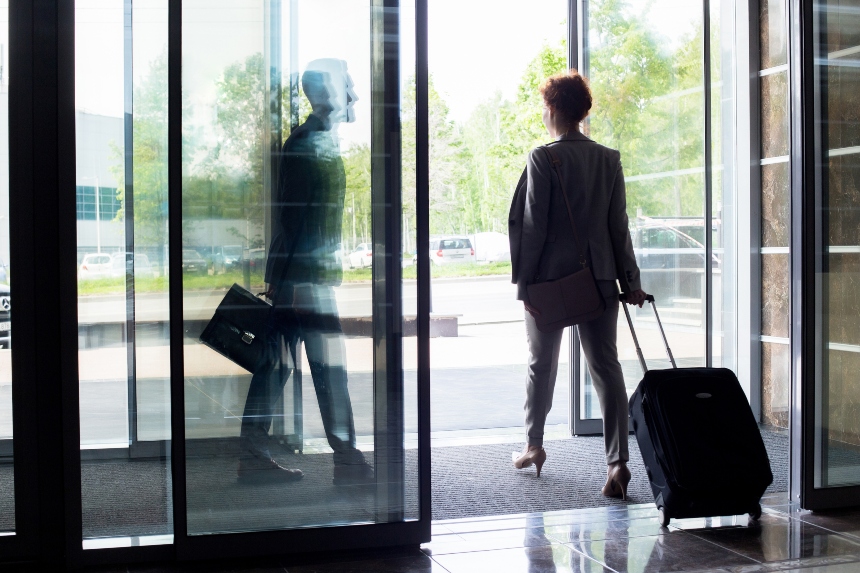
647,104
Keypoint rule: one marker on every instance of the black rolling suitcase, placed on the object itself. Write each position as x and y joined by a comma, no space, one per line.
699,440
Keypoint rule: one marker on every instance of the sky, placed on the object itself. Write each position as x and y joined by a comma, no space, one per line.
476,47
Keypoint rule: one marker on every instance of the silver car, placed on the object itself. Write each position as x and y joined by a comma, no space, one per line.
452,250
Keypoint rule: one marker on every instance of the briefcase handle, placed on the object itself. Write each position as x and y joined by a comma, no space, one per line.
650,298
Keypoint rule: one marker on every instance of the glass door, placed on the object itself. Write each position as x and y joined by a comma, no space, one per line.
828,334
293,401
679,191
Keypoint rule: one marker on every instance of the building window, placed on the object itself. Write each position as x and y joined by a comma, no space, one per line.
107,206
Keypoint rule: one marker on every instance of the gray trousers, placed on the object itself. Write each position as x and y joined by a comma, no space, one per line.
598,338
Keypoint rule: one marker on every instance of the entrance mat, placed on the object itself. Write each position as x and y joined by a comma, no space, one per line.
133,497
476,481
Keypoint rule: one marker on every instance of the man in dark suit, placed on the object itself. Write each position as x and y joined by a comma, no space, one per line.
302,272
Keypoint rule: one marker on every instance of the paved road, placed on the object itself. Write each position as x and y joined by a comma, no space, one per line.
477,378
489,299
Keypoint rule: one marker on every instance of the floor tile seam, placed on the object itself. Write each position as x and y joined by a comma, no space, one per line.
512,528
808,562
565,543
517,546
545,516
590,558
618,537
849,536
582,511
458,535
433,559
722,547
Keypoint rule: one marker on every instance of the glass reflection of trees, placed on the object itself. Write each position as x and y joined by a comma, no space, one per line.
648,104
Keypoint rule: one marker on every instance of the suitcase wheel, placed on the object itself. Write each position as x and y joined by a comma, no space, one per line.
664,517
755,514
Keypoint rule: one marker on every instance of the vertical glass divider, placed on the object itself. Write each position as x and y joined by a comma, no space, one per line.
273,135
801,409
53,119
385,221
422,229
177,336
575,52
128,216
573,33
294,64
709,180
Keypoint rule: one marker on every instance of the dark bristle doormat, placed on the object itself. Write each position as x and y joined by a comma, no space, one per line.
133,498
475,481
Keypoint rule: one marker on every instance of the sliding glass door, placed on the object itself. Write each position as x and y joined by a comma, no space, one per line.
249,147
826,257
294,405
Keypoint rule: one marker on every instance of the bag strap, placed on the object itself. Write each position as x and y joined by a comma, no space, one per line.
555,162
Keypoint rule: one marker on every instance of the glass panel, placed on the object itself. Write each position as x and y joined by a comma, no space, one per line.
723,200
7,478
283,195
483,122
408,118
121,135
773,29
774,115
665,178
837,411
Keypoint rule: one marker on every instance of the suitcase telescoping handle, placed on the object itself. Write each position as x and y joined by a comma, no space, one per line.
649,298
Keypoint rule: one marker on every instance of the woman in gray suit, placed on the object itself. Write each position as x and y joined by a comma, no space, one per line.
543,248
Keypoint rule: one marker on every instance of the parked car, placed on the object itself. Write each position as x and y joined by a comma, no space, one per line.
5,317
232,256
94,266
361,257
452,250
256,259
661,246
193,263
121,261
491,247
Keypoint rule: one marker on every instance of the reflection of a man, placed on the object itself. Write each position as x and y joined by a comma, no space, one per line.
301,272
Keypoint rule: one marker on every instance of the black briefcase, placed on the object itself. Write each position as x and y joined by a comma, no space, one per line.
698,464
239,328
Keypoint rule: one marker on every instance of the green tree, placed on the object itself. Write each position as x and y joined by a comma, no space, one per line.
496,139
356,212
149,169
647,106
446,199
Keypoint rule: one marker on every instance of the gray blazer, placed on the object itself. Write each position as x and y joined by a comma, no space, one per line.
542,243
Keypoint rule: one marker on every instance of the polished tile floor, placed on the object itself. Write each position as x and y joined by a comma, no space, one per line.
620,539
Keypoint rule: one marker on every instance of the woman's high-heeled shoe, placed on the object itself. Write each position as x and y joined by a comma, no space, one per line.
617,478
529,457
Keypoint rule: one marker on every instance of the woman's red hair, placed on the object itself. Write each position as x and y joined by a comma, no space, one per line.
568,95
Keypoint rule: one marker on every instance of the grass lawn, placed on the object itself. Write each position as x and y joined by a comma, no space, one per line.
142,285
